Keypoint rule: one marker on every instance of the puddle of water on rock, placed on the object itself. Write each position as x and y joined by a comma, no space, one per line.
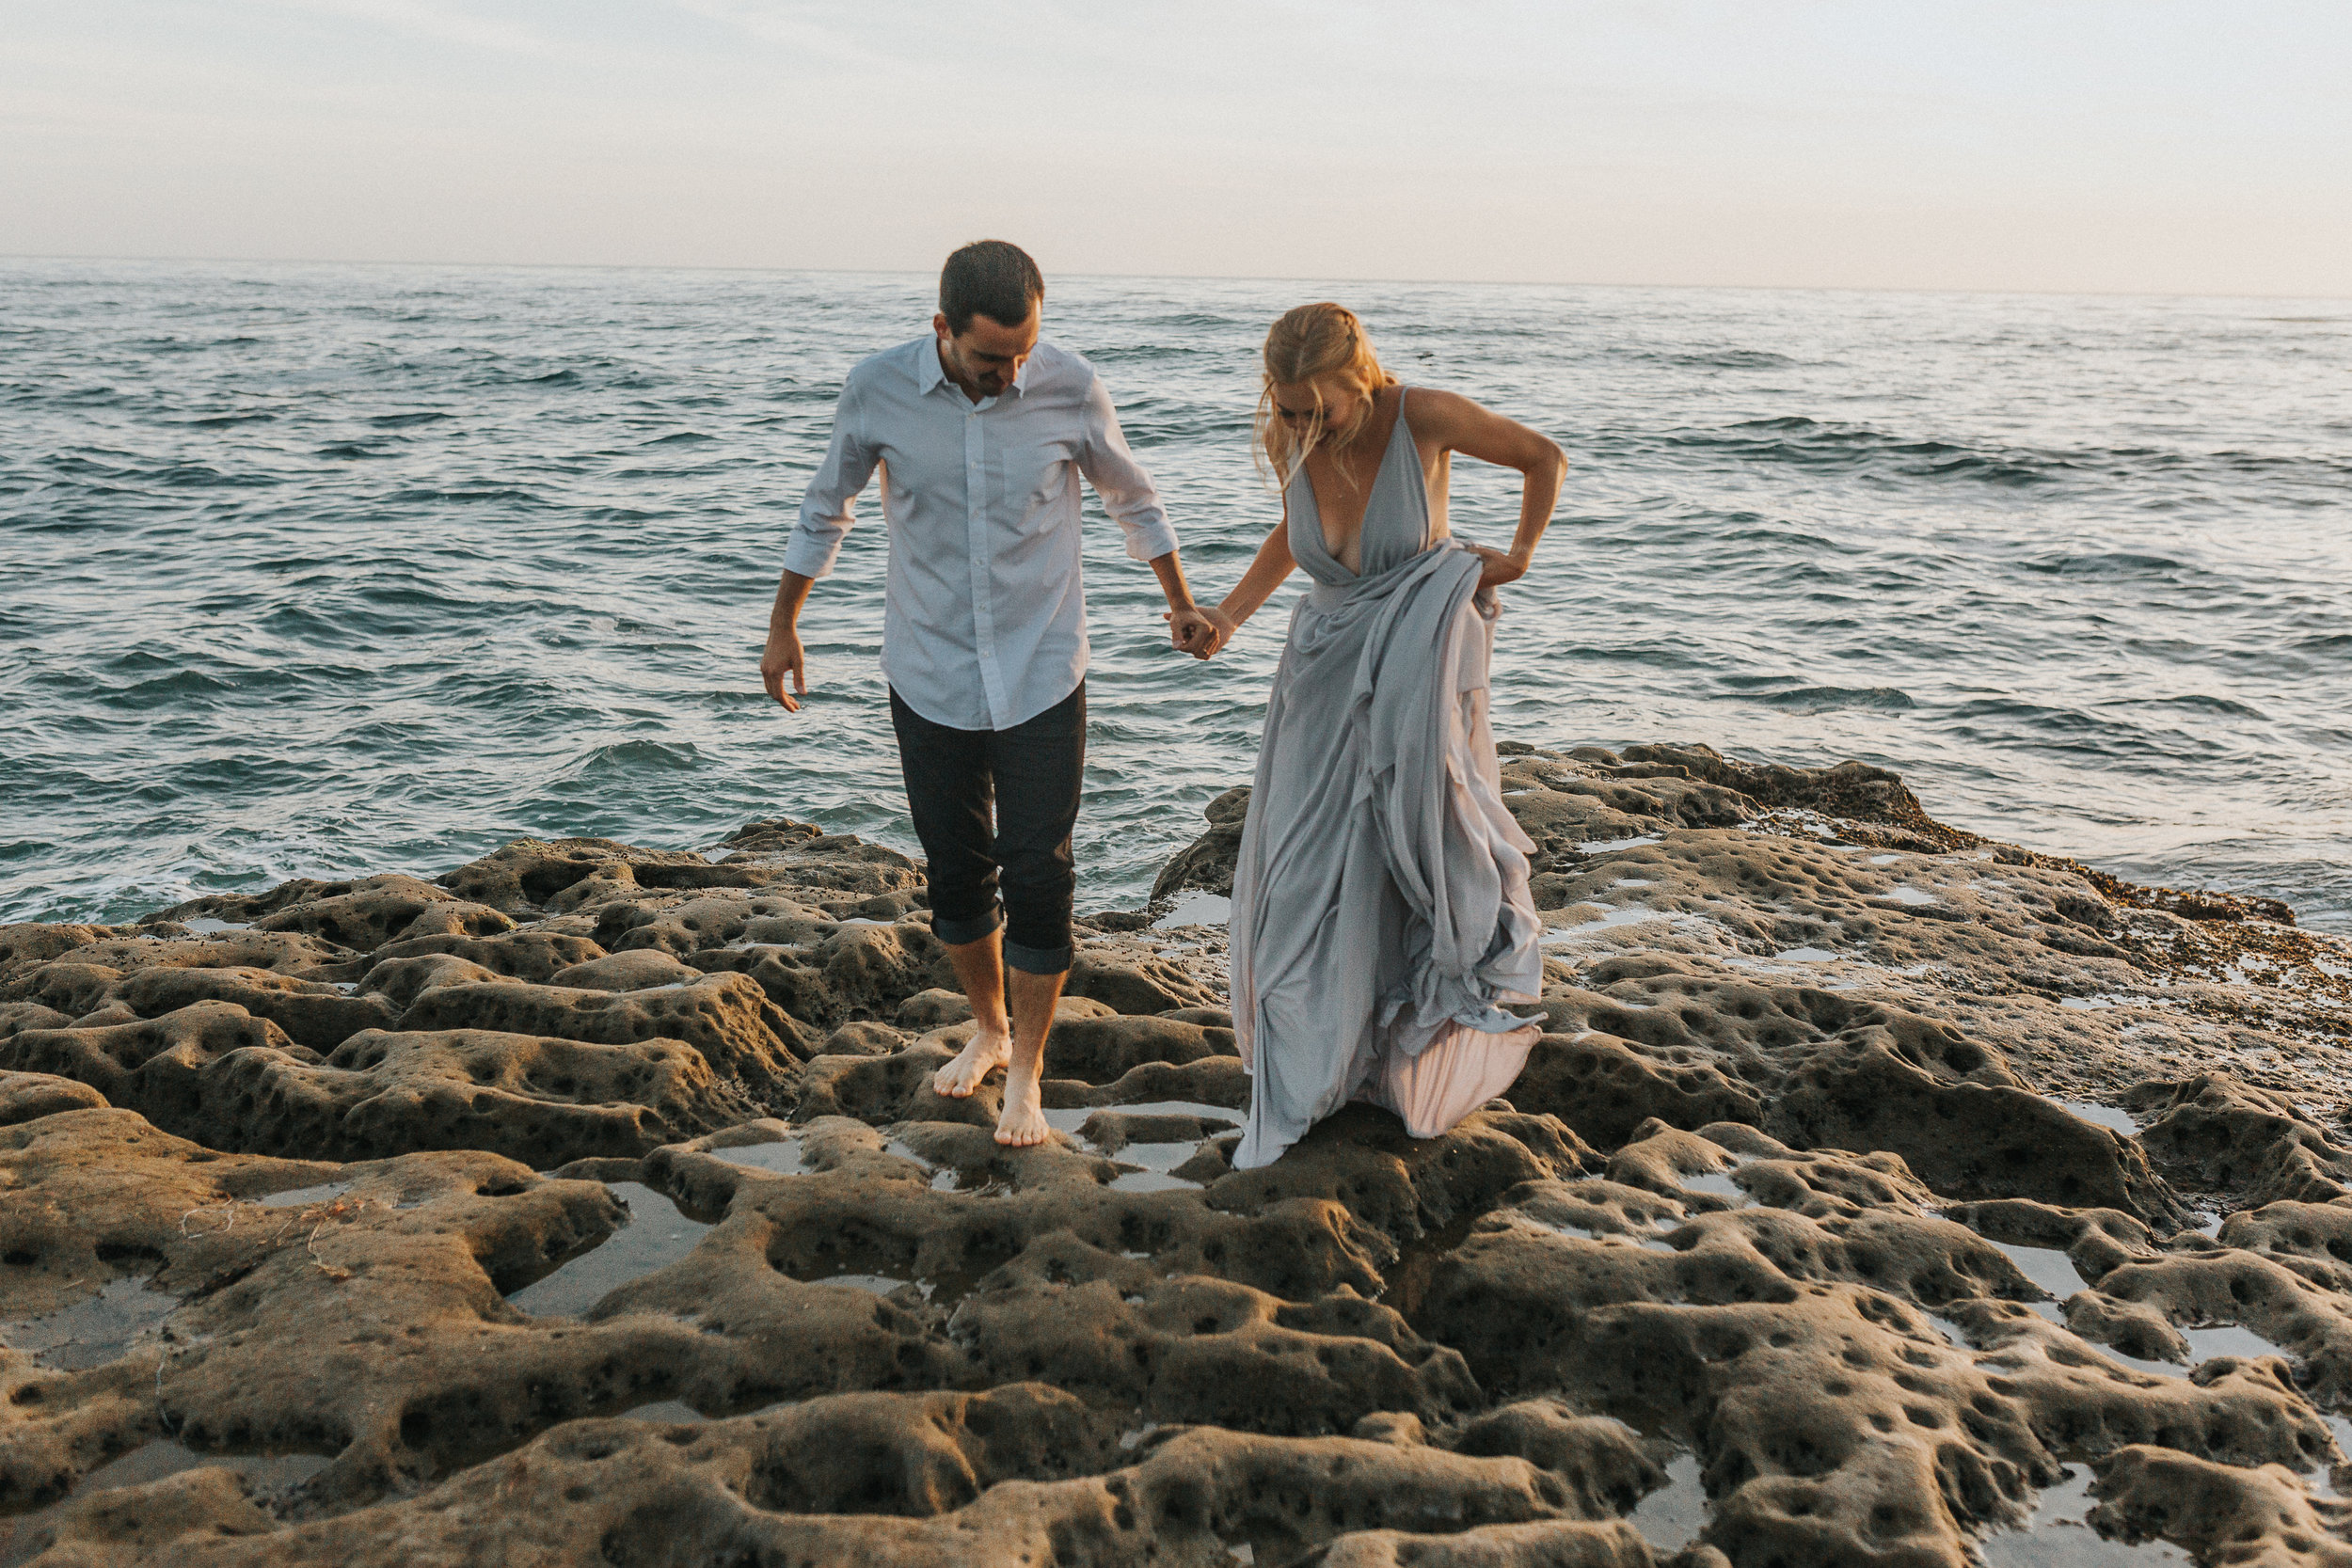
905,1151
672,1411
1603,846
2203,1345
1195,909
2086,1003
1886,860
862,920
2323,1480
2050,1269
205,926
302,1196
94,1332
2109,1116
1128,1439
1151,1181
1071,1119
875,1284
1158,1156
1586,1233
163,1457
2226,1339
2057,1538
1671,1517
1910,896
1716,1181
656,1235
1632,882
1611,920
23,1538
782,1158
1806,955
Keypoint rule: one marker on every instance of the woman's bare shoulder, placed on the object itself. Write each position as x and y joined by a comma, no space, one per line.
1434,411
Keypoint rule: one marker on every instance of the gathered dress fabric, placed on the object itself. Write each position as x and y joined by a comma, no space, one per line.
1382,921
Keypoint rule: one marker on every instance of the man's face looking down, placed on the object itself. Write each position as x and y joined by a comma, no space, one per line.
985,356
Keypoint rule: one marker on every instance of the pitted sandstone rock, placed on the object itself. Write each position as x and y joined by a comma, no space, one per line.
1754,1198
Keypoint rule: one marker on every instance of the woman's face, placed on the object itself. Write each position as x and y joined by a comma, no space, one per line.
1336,398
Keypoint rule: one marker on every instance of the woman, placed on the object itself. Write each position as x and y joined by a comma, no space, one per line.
1381,913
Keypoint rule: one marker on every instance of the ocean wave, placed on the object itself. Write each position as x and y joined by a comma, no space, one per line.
2193,705
1824,699
1729,359
1814,443
2106,564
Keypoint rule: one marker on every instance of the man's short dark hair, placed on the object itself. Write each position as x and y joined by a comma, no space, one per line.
989,278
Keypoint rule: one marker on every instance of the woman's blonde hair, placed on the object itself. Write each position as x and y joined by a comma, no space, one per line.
1309,342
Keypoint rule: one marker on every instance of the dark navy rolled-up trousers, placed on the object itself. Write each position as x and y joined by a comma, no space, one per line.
994,809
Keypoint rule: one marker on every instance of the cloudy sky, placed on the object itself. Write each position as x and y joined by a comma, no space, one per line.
2190,146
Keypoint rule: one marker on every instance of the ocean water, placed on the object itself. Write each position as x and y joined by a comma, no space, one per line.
322,569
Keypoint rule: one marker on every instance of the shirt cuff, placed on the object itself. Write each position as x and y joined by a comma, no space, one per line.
810,556
1152,540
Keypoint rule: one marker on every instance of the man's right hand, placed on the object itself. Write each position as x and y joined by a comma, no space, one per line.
784,658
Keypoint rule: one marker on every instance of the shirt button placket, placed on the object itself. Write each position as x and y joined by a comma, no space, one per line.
976,533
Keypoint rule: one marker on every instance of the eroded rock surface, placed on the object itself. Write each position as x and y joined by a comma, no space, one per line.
591,1203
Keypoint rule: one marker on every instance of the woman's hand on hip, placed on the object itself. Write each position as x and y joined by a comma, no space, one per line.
1496,567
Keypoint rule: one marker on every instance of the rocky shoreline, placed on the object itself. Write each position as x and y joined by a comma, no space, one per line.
1879,1194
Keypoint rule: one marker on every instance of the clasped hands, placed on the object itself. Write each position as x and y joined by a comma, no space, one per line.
1198,631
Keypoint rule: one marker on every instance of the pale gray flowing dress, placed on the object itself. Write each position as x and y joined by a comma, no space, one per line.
1381,913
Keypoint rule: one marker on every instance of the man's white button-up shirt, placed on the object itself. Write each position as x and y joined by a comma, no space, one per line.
983,616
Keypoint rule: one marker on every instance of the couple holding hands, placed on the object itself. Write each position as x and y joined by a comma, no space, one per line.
1382,921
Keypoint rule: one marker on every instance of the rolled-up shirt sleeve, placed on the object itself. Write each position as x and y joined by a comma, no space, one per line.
1119,480
828,506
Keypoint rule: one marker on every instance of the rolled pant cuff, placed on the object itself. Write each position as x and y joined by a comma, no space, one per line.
1038,960
969,927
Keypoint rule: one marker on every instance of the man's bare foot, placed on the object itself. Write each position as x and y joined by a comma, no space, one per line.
982,1055
1023,1119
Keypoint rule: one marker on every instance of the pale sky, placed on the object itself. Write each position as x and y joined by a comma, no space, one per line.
2156,146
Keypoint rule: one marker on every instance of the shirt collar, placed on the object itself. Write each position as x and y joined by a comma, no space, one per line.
929,373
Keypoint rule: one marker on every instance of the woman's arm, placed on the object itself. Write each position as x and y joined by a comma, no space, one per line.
1457,424
1257,585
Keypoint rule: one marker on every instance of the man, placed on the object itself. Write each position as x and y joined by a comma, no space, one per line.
981,431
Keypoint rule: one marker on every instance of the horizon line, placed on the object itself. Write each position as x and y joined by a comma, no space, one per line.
1178,277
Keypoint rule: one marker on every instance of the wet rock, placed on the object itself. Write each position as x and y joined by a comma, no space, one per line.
1554,1544
533,955
30,1096
380,909
1135,983
401,981
643,970
746,1040
907,1480
24,942
1207,862
2224,1135
1927,1100
2221,1513
1605,1087
1786,1192
154,1065
522,877
311,1012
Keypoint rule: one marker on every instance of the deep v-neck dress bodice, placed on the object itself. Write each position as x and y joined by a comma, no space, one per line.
1396,514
